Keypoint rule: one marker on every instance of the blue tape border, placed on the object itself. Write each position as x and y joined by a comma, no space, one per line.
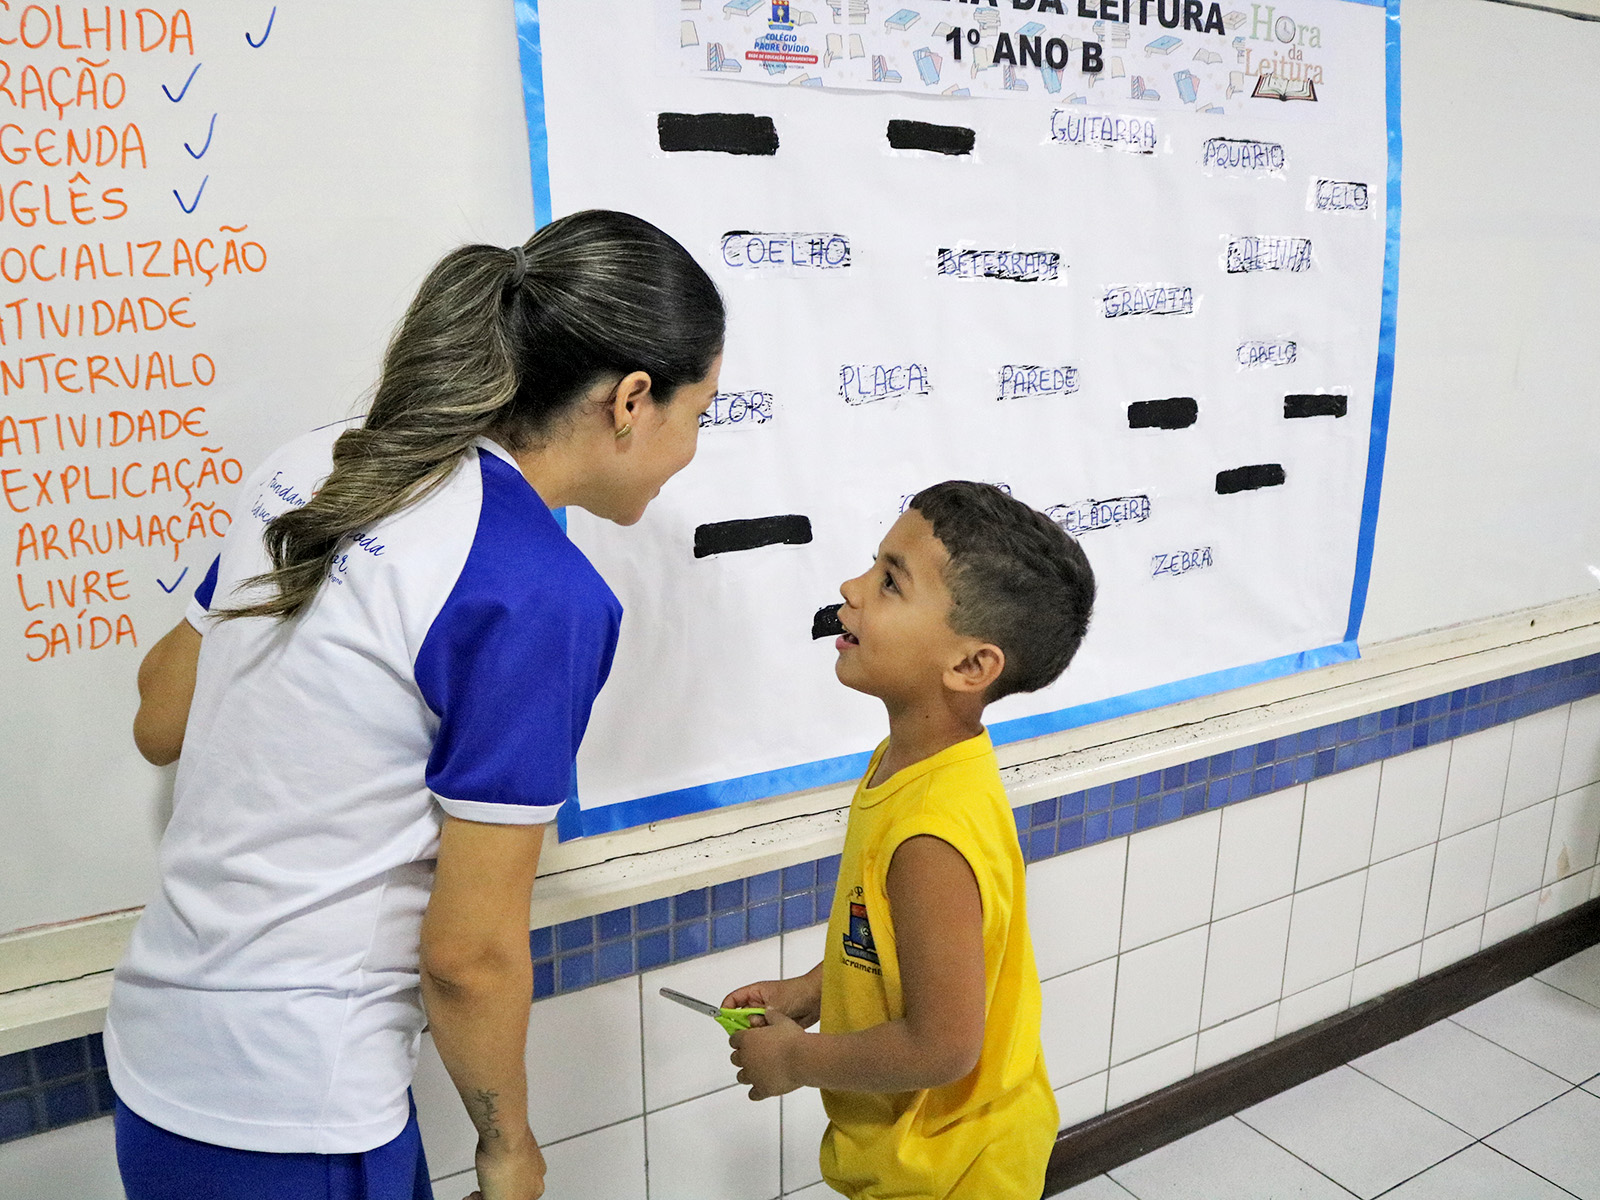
531,54
574,821
1383,384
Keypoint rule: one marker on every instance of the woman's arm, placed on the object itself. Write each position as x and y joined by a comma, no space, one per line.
938,923
166,686
477,986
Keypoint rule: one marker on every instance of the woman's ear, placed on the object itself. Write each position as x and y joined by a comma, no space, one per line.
628,397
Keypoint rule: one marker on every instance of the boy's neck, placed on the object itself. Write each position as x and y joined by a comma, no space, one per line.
918,732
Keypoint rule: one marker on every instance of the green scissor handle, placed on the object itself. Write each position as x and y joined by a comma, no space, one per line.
733,1020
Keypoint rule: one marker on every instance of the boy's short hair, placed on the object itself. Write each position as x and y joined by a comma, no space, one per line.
1016,579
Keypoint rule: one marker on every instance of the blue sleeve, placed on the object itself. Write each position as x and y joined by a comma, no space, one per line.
512,667
208,585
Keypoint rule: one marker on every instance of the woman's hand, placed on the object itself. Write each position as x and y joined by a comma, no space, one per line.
766,1055
515,1174
799,999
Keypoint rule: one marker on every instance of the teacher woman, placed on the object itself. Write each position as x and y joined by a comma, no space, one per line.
378,694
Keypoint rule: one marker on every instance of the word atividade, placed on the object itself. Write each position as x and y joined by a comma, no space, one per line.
93,318
1195,15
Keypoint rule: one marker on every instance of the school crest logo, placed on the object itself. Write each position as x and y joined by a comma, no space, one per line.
858,941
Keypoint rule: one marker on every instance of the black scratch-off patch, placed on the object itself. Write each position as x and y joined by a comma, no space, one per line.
826,623
939,139
1246,479
722,133
1315,405
1175,412
725,537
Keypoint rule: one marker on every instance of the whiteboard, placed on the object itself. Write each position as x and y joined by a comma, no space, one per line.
355,145
362,141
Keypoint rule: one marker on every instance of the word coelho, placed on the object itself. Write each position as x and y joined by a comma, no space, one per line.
869,382
1241,154
822,251
1015,266
1148,299
1019,380
1339,196
1268,254
738,408
1134,134
1086,516
1279,353
1180,562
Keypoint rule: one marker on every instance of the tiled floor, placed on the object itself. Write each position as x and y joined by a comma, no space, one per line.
1500,1102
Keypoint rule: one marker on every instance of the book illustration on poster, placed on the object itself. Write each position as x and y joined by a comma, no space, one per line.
1279,87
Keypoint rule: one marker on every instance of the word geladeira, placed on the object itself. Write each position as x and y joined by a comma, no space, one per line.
1086,516
1148,299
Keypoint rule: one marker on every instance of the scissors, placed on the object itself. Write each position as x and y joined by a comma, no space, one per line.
731,1019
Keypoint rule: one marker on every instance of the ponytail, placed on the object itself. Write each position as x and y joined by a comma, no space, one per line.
499,343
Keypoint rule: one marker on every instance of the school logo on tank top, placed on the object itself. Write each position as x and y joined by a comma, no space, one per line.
858,943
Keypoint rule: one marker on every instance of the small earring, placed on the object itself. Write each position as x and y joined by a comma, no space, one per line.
625,431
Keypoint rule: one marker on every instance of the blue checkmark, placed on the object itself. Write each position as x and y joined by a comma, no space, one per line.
200,153
186,84
189,208
175,582
255,45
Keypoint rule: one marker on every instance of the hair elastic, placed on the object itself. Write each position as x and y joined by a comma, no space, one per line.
519,269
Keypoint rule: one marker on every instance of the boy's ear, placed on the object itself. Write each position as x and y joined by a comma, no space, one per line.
978,670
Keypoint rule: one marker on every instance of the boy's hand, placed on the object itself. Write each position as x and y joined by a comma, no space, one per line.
765,1054
799,999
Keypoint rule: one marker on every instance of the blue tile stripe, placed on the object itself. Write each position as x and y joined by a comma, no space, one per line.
64,1083
582,952
51,1086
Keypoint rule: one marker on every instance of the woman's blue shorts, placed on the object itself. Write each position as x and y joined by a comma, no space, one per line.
158,1165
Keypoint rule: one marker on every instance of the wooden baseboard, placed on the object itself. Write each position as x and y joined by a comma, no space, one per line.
1152,1121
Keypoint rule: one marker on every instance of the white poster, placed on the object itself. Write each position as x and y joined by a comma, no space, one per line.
1126,259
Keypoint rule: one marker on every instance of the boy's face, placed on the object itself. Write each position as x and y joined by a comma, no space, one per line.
898,643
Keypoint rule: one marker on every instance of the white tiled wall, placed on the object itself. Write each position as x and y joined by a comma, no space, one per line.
1162,953
1300,904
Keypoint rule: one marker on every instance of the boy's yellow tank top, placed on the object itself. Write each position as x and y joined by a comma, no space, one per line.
984,1137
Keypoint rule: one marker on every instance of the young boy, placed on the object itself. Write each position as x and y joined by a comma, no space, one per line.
928,1057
